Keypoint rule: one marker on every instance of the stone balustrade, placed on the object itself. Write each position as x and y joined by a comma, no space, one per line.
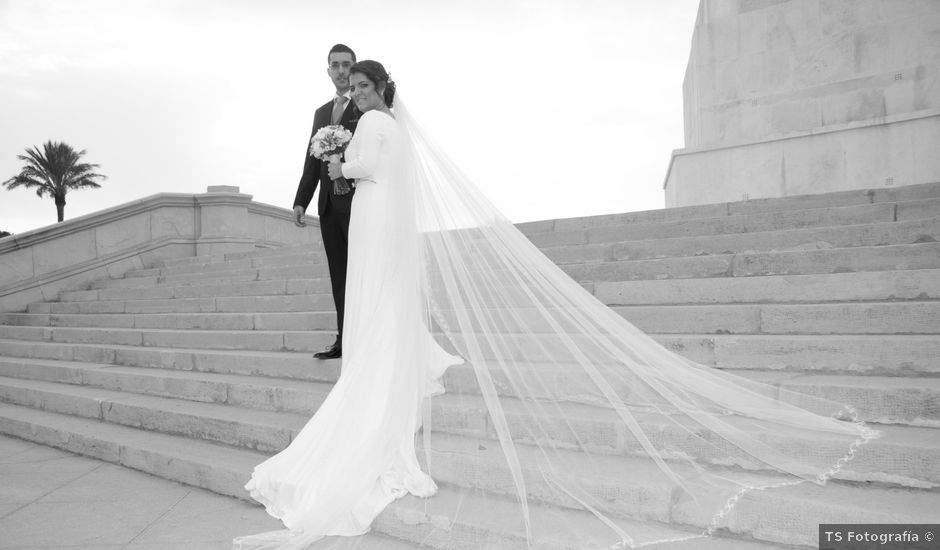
36,265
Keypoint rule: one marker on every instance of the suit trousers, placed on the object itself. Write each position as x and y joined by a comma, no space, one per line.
334,228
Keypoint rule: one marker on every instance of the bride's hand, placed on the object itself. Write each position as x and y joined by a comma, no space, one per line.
335,170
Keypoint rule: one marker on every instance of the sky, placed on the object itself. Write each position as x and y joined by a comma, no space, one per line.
554,108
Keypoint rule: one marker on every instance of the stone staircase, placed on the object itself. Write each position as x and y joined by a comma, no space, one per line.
198,368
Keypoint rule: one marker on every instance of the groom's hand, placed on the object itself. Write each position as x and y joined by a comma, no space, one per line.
299,216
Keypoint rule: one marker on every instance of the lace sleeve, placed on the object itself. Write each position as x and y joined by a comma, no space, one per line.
369,134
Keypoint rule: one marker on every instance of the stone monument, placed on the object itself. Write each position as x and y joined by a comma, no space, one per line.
794,97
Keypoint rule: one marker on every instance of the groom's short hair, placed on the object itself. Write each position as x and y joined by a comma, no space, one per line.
341,48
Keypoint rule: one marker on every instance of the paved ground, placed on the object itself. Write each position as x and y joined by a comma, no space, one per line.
51,499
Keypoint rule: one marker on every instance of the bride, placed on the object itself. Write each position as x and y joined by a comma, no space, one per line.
552,400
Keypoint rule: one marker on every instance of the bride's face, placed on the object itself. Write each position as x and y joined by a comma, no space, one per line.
364,93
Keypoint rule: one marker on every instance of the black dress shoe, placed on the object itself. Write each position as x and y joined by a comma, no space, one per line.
333,352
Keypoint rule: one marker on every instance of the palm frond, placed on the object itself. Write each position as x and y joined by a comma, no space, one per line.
53,171
85,184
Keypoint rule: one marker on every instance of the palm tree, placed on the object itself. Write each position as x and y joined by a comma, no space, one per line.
54,171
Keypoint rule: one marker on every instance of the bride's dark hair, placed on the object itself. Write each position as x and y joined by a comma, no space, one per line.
376,73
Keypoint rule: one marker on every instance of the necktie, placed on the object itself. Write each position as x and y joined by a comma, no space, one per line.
339,105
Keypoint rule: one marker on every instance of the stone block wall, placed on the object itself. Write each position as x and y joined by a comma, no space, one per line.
764,75
766,69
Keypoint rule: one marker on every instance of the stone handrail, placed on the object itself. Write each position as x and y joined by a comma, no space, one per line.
36,265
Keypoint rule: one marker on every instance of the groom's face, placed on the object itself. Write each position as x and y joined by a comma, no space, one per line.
340,62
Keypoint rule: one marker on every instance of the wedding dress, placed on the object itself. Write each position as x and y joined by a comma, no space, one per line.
549,393
357,453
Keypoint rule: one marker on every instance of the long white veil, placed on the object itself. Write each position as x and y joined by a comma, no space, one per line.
565,426
590,433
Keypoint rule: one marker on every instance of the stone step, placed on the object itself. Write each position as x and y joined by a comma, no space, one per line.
243,396
321,320
225,470
840,260
914,209
869,234
253,429
919,284
219,304
288,255
883,400
234,256
82,388
760,515
856,354
878,317
282,250
450,464
218,468
472,521
880,355
908,194
287,259
853,354
260,393
269,364
203,288
860,355
789,515
272,279
238,275
903,456
910,401
901,212
260,340
260,352
208,267
744,223
915,284
817,238
681,213
203,259
144,286
908,317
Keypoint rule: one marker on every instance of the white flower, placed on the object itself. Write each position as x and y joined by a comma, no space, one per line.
329,140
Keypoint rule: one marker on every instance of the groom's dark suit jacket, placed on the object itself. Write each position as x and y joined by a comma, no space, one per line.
315,170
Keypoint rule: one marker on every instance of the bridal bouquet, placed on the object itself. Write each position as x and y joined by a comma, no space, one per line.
328,144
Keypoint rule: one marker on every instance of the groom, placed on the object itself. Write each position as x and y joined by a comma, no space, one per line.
333,209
